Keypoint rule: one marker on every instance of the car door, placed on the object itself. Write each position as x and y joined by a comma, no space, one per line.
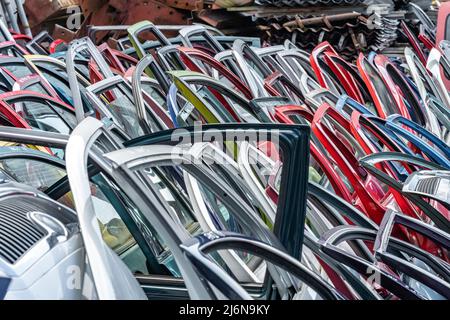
213,100
133,196
161,139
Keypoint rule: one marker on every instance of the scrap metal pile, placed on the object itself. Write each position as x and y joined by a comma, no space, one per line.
185,163
350,26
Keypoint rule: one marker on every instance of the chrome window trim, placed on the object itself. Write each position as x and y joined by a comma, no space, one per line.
36,137
308,84
330,242
435,58
92,91
139,27
74,48
167,51
31,59
197,248
137,157
281,56
209,152
137,87
369,163
198,78
103,262
245,150
138,92
226,58
406,266
5,31
417,72
199,29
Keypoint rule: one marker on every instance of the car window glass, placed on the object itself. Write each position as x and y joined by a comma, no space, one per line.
82,68
18,70
108,201
202,45
36,87
125,110
213,72
115,233
4,88
68,116
331,79
387,101
300,66
214,102
58,79
39,115
37,174
174,193
125,62
223,217
155,94
232,180
188,113
445,68
174,196
56,82
11,51
348,139
419,135
231,101
407,94
355,75
4,121
254,68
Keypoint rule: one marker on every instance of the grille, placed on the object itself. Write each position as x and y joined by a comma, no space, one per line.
17,233
428,186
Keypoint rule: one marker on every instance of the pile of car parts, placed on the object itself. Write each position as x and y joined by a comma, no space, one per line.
185,163
299,3
349,33
58,17
351,26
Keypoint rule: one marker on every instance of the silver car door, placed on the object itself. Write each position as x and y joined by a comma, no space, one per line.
435,62
422,78
121,108
74,49
248,155
134,159
139,92
215,157
205,31
104,263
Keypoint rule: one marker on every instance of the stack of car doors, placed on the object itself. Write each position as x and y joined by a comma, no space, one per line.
209,167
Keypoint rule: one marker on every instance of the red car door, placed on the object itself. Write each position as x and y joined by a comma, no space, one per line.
324,53
443,23
117,59
288,114
189,55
